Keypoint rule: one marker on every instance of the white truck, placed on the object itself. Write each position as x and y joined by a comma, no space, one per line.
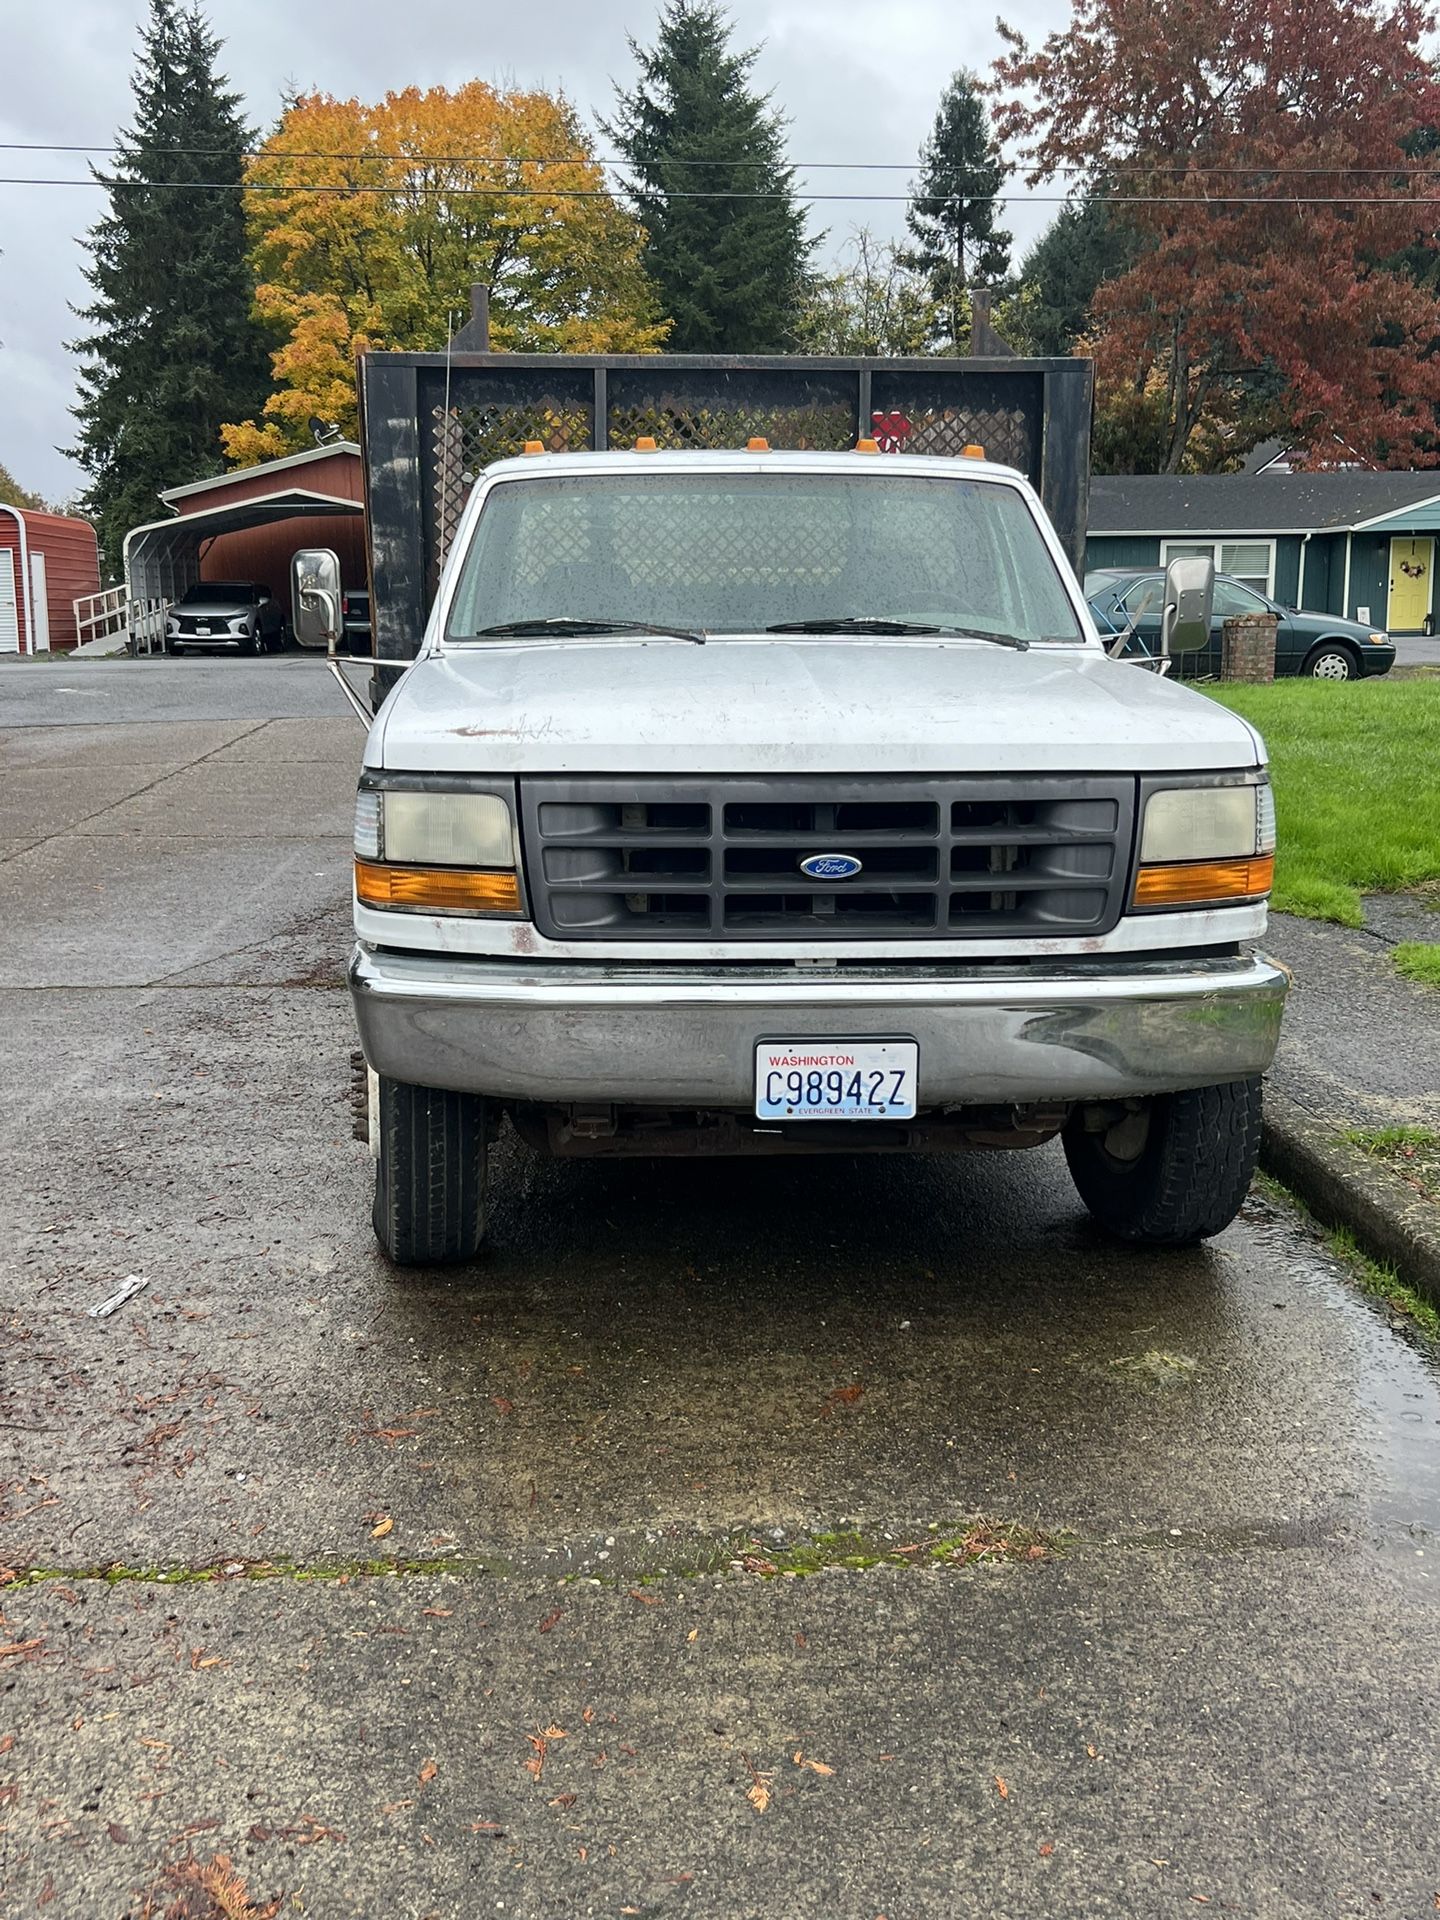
771,802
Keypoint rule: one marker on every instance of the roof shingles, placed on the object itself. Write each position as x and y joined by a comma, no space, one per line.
1258,503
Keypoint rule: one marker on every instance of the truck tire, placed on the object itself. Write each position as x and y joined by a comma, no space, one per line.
1174,1172
429,1175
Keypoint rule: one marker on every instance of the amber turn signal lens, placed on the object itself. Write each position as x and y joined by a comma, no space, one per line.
436,889
1196,882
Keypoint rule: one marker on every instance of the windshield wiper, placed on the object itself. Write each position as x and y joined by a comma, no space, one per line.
852,623
878,623
572,623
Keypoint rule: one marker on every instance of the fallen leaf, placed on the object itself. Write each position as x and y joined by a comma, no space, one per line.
428,1773
437,1613
379,1532
555,1733
1046,1850
1001,1788
693,1634
117,1833
841,1397
1091,1752
47,1892
396,1806
501,1404
801,1642
562,1800
588,1715
486,1826
200,1660
645,1599
758,1796
550,1619
20,1646
8,1742
813,1766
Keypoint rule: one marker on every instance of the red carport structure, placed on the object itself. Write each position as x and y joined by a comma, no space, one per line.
245,526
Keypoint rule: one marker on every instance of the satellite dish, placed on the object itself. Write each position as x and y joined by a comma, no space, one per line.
325,432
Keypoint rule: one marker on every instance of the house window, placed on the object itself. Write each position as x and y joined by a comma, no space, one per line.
1252,561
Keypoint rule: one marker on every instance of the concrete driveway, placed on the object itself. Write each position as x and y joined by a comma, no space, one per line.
493,1593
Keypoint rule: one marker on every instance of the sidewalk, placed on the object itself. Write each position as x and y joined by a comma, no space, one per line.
1360,1055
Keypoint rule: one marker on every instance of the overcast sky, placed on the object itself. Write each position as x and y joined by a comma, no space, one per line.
859,80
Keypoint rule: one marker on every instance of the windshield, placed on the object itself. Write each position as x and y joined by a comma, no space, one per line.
724,553
216,593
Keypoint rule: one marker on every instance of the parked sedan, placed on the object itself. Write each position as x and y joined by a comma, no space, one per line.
226,613
1318,644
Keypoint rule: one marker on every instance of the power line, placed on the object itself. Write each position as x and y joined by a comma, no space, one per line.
1183,167
452,191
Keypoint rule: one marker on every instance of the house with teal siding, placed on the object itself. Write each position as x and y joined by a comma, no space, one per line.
1360,544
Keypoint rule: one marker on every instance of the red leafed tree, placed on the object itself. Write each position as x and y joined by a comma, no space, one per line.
1270,155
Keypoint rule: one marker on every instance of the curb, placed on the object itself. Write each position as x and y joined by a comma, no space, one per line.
1344,1187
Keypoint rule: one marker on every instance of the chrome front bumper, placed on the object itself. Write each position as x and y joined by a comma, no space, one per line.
684,1036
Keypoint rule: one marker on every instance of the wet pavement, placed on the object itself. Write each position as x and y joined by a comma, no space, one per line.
595,1679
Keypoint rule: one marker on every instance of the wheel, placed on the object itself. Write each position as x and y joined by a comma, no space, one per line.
429,1175
1173,1170
1332,661
171,647
249,644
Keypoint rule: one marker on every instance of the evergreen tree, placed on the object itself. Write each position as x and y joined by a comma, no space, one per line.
1085,244
732,273
174,349
952,209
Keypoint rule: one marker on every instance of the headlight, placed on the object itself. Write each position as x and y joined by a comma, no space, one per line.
446,851
1206,846
1378,639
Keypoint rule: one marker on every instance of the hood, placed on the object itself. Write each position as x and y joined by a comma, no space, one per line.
213,609
775,705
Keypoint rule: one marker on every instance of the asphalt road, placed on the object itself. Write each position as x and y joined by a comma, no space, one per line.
579,1691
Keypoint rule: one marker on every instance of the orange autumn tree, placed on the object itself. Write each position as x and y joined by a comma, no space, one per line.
369,224
1272,160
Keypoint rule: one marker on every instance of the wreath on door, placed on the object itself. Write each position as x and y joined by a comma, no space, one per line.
1413,569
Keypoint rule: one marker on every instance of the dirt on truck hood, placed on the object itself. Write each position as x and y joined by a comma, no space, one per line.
784,705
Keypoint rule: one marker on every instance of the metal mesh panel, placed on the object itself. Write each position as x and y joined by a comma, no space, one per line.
811,427
467,439
967,410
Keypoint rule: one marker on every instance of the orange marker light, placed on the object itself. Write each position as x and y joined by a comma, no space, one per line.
436,889
1205,882
645,444
972,452
867,446
756,445
534,446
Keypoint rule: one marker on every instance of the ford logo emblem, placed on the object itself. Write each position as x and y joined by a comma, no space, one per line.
830,866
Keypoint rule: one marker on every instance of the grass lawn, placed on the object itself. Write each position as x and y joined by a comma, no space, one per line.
1356,769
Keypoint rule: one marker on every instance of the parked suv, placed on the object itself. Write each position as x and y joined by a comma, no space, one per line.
226,613
1318,644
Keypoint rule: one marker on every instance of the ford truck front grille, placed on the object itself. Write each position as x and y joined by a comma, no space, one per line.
720,859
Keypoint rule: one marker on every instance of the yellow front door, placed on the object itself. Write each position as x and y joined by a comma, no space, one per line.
1412,563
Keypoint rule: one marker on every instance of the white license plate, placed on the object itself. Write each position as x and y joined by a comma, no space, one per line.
836,1079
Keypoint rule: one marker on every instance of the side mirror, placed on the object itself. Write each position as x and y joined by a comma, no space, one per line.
315,611
1189,599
